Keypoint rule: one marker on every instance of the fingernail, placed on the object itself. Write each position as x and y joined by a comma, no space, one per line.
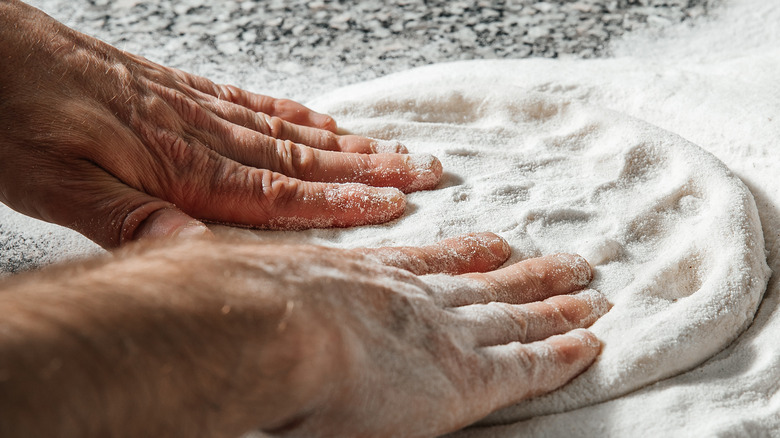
388,147
194,230
323,121
597,301
376,204
582,269
582,272
496,244
426,171
392,196
586,336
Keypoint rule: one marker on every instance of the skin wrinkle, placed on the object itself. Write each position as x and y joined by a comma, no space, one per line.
283,158
388,146
498,311
136,217
304,160
274,126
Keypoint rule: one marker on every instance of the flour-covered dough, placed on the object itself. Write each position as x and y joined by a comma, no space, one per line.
674,236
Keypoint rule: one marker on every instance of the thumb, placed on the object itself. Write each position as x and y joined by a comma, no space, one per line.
475,252
168,222
111,213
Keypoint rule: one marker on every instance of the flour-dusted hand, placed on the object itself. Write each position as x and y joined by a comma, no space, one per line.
213,338
118,147
425,355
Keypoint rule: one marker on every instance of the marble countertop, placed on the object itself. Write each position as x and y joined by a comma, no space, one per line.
298,49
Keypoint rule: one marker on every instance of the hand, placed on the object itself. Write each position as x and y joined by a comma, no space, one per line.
421,355
219,338
119,148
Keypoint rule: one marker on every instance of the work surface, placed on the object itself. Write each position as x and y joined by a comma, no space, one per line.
724,100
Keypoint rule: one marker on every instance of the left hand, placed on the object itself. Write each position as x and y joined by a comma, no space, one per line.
118,147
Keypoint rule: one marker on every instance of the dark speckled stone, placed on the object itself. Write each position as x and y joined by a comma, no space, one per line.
299,48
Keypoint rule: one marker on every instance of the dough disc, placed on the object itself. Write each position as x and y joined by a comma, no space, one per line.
673,235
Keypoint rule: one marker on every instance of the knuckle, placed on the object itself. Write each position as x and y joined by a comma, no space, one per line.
491,288
285,106
581,309
565,312
533,279
277,189
274,126
517,315
285,154
553,313
528,360
568,309
295,160
331,141
229,93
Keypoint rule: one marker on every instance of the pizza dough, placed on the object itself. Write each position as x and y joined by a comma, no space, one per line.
673,235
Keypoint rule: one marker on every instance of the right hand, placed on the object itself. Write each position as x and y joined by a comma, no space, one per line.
421,355
220,338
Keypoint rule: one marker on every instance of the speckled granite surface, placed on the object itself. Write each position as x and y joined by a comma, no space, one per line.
298,49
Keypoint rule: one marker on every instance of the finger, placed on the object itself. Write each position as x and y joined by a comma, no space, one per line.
536,368
170,222
500,323
478,252
304,205
408,173
210,187
523,282
534,279
111,214
283,108
278,128
224,191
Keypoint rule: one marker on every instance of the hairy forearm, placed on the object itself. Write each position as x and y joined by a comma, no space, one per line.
26,31
39,54
152,344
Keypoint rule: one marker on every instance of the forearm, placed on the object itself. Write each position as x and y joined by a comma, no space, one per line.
143,346
26,31
39,54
